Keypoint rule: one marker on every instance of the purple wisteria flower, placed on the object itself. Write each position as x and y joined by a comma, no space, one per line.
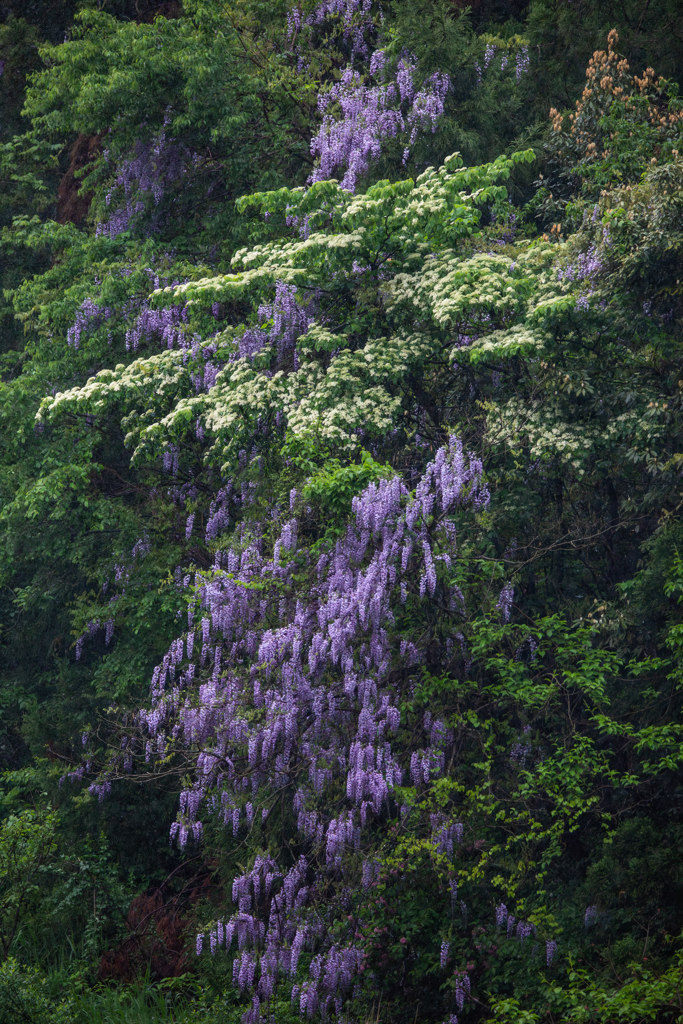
504,603
590,917
462,989
164,324
353,140
369,115
524,930
88,318
279,691
522,62
281,323
519,752
355,17
142,178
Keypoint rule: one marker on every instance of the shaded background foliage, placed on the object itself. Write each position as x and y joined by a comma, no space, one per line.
163,115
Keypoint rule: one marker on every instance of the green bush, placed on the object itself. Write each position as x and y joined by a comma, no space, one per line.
26,997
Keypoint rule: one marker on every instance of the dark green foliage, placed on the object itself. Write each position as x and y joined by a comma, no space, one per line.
579,427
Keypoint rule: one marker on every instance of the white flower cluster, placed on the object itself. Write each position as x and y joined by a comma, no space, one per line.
396,291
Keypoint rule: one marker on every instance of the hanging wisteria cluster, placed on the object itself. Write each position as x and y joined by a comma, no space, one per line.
281,323
166,324
355,17
365,116
122,572
281,690
89,316
367,107
521,62
585,267
354,139
143,177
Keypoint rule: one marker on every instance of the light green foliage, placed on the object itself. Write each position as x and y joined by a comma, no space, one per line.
26,997
645,996
395,227
27,844
334,485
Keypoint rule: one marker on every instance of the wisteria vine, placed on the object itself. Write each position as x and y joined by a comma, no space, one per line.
283,691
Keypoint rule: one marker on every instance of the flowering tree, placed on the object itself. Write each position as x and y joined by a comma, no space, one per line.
325,703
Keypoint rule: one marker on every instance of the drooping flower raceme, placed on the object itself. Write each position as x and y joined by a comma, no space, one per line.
166,324
369,115
287,694
88,318
355,16
288,319
143,177
354,139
